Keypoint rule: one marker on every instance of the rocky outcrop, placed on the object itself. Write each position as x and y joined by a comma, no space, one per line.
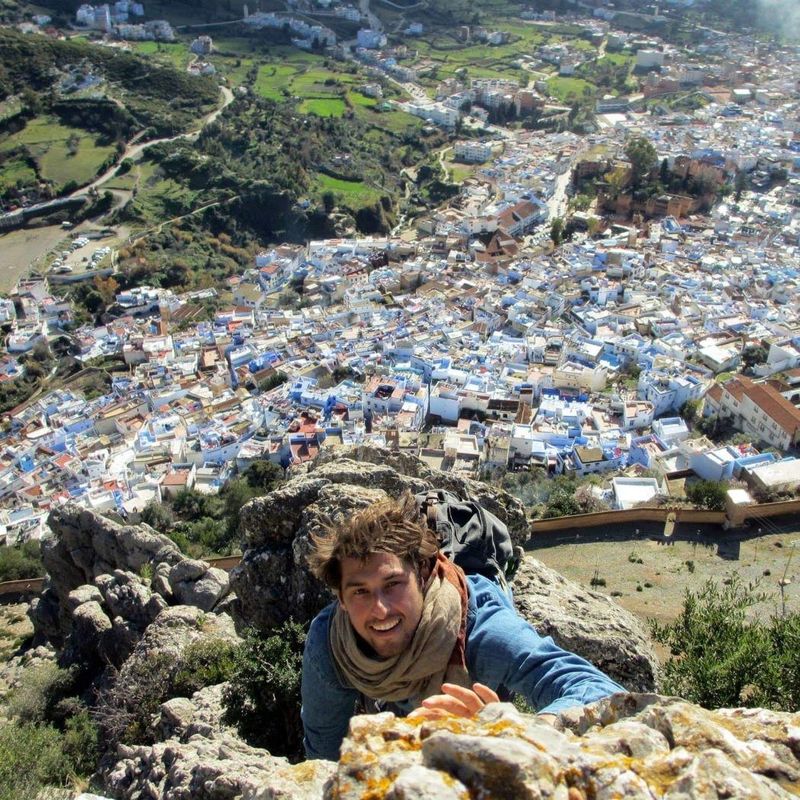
587,623
273,583
638,747
84,547
628,746
200,757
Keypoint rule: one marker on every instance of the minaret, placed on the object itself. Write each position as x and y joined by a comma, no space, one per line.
245,12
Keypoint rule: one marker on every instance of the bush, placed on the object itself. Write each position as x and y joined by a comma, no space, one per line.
41,689
81,743
31,758
126,710
21,562
721,658
204,663
263,695
707,494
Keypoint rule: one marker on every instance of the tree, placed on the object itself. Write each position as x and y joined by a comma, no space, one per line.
753,354
263,475
557,231
328,201
707,494
643,157
262,697
106,288
688,411
741,184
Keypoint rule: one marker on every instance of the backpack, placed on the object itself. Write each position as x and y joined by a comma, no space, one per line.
470,536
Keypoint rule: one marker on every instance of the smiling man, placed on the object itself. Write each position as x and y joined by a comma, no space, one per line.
410,632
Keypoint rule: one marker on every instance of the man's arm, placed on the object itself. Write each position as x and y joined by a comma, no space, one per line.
327,705
504,649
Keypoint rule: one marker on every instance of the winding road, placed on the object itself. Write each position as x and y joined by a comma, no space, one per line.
134,150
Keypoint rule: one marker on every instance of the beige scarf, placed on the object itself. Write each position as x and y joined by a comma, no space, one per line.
435,655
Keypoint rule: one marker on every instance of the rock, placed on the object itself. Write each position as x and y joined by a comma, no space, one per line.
219,768
160,581
202,589
127,597
157,653
587,623
90,630
85,546
631,746
273,582
83,594
418,782
182,717
190,569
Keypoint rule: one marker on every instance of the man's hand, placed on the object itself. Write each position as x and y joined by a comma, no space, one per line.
456,700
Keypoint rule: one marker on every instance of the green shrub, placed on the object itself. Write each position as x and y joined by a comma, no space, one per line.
41,689
263,695
720,657
21,562
204,663
126,710
31,758
81,743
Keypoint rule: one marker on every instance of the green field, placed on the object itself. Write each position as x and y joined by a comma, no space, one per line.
177,54
46,140
323,106
15,171
349,192
565,89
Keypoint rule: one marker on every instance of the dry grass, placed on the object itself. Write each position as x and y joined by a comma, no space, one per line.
673,566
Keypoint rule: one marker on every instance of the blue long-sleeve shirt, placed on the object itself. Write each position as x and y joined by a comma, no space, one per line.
502,650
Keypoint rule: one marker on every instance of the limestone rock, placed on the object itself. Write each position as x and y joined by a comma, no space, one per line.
194,583
218,768
126,596
182,717
587,623
91,628
83,594
86,545
272,582
630,746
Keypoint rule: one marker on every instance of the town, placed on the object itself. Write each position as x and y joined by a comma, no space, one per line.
620,302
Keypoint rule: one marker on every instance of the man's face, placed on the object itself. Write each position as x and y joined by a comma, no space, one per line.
383,598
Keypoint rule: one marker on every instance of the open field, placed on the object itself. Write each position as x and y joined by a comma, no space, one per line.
355,192
565,88
672,565
46,139
175,53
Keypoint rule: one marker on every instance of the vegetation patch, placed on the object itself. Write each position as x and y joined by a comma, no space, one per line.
348,192
324,107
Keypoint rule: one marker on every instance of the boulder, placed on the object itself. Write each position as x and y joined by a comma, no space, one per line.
127,597
194,583
156,654
85,546
587,623
218,768
627,746
91,629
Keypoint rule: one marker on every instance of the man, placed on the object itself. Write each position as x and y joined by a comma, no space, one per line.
410,631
